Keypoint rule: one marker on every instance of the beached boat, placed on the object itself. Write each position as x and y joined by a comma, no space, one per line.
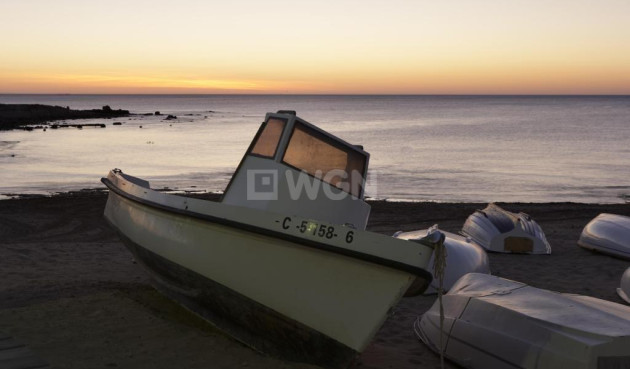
283,262
624,286
608,234
499,230
463,256
490,322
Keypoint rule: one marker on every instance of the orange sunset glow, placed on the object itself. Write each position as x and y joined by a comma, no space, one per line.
346,47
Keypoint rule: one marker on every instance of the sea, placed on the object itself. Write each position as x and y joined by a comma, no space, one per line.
423,148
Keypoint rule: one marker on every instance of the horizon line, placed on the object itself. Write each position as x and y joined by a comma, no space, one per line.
308,94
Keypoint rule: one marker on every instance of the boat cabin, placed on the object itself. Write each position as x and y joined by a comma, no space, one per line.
294,168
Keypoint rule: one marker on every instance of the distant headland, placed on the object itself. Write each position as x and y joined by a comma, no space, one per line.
17,115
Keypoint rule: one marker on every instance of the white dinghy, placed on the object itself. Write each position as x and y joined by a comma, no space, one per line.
499,230
463,256
608,234
624,287
283,263
490,322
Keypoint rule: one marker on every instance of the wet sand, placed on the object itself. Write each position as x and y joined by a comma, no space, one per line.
72,292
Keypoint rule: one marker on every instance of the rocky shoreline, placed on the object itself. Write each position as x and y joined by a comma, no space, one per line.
15,116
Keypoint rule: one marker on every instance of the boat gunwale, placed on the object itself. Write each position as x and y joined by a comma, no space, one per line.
417,271
604,250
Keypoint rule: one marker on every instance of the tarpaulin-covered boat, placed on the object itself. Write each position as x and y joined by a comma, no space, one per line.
463,256
491,322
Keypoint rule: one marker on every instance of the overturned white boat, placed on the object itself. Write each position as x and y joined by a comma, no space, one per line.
490,322
283,262
624,287
608,234
463,256
499,230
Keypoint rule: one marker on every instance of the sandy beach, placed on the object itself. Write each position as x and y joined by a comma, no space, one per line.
72,292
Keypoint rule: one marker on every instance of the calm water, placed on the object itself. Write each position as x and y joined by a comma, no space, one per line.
436,148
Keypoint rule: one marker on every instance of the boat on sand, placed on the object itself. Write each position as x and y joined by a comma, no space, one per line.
499,230
463,256
608,234
283,262
491,322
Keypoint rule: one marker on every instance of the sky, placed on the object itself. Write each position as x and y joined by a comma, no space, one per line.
315,47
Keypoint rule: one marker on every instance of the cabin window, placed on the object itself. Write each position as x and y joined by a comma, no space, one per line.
326,159
267,142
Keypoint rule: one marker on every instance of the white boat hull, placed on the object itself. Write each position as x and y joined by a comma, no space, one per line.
608,234
463,256
498,230
492,322
298,298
